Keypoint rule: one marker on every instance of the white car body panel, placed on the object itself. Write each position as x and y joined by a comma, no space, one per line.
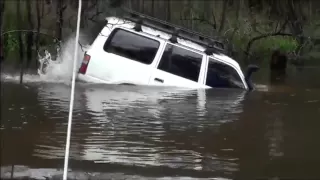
109,68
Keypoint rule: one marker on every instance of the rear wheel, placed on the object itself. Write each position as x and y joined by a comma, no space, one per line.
44,67
44,62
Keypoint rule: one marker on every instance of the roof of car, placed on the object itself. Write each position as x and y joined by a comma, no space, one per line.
129,24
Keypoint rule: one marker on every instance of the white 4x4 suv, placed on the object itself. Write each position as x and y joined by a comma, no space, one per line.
140,50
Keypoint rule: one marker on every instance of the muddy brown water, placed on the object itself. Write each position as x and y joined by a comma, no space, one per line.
163,132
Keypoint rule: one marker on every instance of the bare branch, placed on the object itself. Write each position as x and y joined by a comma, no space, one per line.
277,25
24,30
92,6
81,46
283,27
201,20
64,8
47,13
214,20
247,51
92,18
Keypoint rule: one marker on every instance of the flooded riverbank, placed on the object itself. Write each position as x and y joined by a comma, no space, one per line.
138,132
151,132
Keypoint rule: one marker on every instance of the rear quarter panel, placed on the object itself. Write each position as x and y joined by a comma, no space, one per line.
115,69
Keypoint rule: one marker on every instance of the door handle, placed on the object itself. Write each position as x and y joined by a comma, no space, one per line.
159,80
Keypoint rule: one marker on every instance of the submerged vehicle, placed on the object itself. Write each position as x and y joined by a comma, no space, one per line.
141,50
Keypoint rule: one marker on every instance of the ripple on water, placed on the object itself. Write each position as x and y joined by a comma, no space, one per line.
136,126
179,130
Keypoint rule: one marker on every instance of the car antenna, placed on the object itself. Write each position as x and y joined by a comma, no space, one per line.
67,150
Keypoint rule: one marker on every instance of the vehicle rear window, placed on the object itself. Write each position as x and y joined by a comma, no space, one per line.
132,46
221,75
181,62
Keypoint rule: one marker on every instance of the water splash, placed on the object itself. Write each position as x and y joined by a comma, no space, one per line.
54,70
60,69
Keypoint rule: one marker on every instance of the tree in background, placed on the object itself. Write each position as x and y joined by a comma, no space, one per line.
251,29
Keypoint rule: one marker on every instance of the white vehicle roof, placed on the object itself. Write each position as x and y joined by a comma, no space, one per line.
119,22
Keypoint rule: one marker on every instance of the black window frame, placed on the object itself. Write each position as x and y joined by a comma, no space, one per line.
115,30
214,60
187,49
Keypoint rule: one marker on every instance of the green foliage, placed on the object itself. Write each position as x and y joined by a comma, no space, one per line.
284,44
240,26
11,43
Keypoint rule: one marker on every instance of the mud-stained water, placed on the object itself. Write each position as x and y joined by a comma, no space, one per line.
152,132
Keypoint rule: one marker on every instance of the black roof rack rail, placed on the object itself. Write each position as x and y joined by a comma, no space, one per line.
212,45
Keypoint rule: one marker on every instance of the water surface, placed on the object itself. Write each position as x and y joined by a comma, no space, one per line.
154,132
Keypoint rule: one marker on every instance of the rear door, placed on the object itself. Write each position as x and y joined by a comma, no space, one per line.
125,57
178,66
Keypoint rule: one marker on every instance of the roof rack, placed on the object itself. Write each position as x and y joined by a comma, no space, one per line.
212,45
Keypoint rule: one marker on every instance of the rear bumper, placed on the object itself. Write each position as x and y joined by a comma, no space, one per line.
90,79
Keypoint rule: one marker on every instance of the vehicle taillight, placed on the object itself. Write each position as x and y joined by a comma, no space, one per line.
84,65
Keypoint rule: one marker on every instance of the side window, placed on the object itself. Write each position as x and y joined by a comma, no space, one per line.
181,62
220,75
132,46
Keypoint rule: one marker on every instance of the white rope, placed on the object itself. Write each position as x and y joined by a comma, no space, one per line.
66,158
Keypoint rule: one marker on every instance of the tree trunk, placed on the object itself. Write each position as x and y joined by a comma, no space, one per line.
152,7
236,25
295,23
168,11
223,16
141,6
135,4
83,14
310,9
38,28
2,29
30,34
59,16
213,16
12,171
20,41
2,13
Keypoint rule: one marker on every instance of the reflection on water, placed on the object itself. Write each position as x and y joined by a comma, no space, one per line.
226,133
130,125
